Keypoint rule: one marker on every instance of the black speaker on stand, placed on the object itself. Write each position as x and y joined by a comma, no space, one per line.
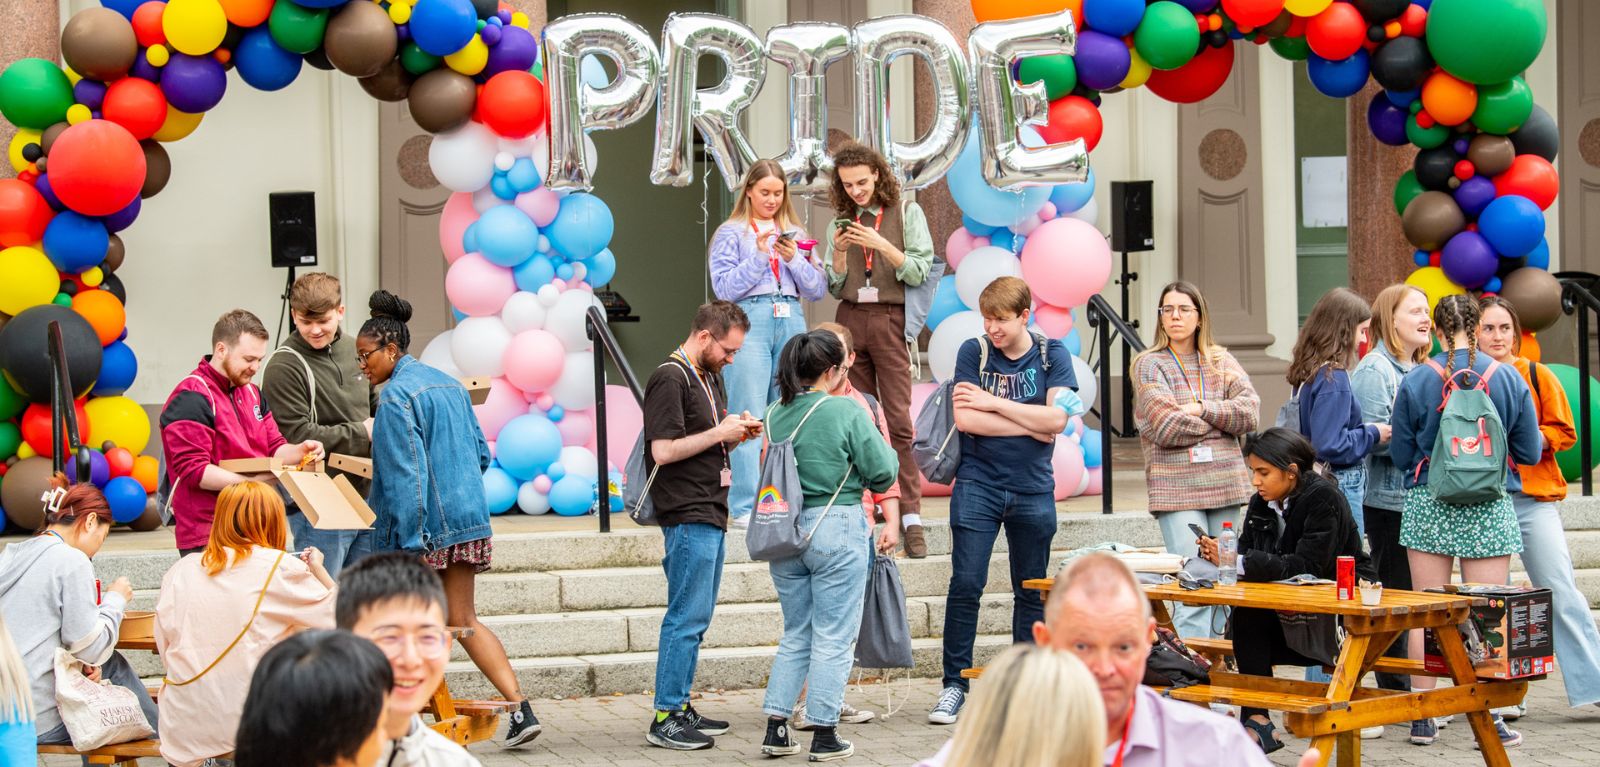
292,218
1132,231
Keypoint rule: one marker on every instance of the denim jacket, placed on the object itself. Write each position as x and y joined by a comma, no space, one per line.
428,458
1375,382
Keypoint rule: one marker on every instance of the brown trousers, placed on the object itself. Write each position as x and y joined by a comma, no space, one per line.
883,369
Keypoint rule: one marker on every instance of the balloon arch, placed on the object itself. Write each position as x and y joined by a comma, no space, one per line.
526,241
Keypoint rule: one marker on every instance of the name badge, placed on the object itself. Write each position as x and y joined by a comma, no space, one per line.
867,295
782,310
727,477
1200,454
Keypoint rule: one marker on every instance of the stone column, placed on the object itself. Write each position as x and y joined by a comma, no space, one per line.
1379,253
32,30
537,10
943,215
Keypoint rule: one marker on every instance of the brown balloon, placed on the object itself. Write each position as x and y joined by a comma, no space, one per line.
25,482
149,519
1432,219
157,168
42,164
48,138
115,253
1491,155
360,40
1537,295
99,44
442,100
392,84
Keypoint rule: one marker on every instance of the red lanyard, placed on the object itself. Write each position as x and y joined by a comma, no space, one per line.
868,253
774,258
1122,745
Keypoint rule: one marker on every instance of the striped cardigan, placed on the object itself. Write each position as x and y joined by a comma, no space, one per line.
1166,433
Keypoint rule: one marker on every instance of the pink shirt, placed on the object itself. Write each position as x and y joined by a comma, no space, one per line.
870,499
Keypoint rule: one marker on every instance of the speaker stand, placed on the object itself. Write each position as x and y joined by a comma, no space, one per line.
1125,279
288,286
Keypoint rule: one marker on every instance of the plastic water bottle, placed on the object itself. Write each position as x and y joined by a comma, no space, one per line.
1228,556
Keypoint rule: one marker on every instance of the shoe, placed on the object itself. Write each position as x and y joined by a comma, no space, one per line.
916,542
707,726
779,741
948,709
826,746
1512,713
849,714
742,523
798,721
674,732
524,727
1424,732
1372,733
1444,721
1509,738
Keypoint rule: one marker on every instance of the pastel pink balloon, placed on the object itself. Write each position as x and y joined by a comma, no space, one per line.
453,222
503,404
545,402
980,242
534,360
957,247
542,484
1055,321
541,205
477,287
1096,482
577,427
1047,212
1065,261
624,423
1067,462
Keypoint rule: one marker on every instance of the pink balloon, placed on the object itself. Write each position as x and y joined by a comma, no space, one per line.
624,423
545,402
542,484
1096,483
453,222
1047,212
503,404
957,247
1065,261
1053,320
1067,461
577,427
477,287
534,360
541,205
980,242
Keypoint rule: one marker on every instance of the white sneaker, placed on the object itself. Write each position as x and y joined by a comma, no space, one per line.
743,523
1443,721
1372,733
849,714
1512,713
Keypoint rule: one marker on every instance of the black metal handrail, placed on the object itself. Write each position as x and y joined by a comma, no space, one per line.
605,345
1577,299
63,416
1102,316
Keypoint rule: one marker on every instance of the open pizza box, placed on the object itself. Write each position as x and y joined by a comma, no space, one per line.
330,503
477,389
350,464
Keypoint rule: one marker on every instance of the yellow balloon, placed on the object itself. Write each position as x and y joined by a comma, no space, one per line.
23,138
1306,7
25,451
119,420
78,113
399,13
178,125
1138,70
31,280
471,59
520,19
195,27
1432,281
157,55
72,77
93,277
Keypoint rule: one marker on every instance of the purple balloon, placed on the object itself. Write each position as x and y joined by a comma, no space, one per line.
144,70
1199,6
193,84
42,183
122,219
1102,60
1469,260
490,34
516,52
1387,122
1461,146
99,469
89,93
1474,195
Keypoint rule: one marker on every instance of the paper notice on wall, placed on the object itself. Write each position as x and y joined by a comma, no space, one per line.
1323,196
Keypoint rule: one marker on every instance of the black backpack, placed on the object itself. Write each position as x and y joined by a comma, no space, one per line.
1173,664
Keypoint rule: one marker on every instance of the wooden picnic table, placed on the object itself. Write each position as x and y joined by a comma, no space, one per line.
1334,713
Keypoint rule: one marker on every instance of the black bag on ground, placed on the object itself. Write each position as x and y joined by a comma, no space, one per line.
1173,664
885,639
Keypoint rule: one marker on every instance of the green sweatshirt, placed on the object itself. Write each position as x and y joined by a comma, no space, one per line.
344,397
838,435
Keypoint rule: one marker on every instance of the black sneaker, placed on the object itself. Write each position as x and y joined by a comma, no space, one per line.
524,727
675,732
780,741
826,746
707,726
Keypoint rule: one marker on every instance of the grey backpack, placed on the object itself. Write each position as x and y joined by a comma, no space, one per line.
1289,414
775,531
935,447
636,495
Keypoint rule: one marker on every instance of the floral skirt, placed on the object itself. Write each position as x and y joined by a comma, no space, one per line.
476,553
1476,531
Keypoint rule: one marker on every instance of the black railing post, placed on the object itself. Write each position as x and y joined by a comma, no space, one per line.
1106,429
63,416
603,489
1585,446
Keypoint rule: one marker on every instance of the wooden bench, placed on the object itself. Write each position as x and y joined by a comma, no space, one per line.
1218,649
484,707
121,753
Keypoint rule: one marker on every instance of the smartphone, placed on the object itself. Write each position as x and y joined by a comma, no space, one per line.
1198,533
787,236
842,223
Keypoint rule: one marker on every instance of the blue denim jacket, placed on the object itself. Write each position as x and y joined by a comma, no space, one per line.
428,458
1375,382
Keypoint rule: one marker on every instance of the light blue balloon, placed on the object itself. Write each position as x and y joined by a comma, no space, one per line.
1073,342
978,228
593,72
1071,197
502,188
582,227
458,314
986,204
469,238
1091,445
524,177
945,301
1004,238
556,472
506,236
534,273
573,495
556,413
564,271
500,490
528,445
601,268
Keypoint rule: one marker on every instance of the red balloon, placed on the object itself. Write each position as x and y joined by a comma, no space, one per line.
513,104
147,24
1252,13
1530,175
36,427
121,461
136,104
23,213
1194,81
1073,117
96,167
1337,33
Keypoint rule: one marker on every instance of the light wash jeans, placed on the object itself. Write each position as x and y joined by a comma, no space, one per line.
693,563
822,593
1353,484
340,548
1549,565
751,382
1191,620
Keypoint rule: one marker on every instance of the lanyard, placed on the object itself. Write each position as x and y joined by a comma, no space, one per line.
1122,745
1185,372
683,356
773,259
868,253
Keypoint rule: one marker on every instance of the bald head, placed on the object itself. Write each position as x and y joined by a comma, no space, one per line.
1097,612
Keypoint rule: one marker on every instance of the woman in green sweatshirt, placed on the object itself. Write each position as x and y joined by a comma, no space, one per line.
838,454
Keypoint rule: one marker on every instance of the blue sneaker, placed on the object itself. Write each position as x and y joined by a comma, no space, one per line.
1424,732
1509,738
948,709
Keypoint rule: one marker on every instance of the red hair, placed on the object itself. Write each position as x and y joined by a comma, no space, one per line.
76,501
248,515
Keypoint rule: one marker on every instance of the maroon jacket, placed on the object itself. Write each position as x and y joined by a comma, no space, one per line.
207,421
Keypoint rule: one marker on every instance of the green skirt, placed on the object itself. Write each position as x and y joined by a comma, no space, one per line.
1477,531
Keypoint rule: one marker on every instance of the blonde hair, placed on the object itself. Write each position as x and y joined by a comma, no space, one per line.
248,515
1383,325
1033,707
762,170
842,332
1211,352
16,696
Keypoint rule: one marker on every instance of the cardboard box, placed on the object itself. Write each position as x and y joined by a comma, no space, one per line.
477,389
330,503
1508,638
263,465
361,467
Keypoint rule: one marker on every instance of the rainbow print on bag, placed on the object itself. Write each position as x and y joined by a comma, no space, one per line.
770,501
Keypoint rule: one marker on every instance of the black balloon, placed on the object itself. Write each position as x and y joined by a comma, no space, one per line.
1376,34
1435,167
1509,265
1379,11
1538,135
32,153
1216,38
319,59
1402,64
25,358
113,285
486,8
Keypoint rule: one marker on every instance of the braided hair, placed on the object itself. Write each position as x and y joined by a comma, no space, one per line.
1457,314
388,324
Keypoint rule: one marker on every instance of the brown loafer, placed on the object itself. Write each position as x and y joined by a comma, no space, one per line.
915,542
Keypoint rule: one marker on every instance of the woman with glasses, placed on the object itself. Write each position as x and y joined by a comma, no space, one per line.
220,611
1193,404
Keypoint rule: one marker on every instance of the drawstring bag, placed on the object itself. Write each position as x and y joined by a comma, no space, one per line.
885,639
775,531
96,713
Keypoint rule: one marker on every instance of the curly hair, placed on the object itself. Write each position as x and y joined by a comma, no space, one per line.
390,313
1457,314
852,154
1329,335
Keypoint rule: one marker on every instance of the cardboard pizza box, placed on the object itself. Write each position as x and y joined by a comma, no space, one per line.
330,503
477,389
361,467
263,465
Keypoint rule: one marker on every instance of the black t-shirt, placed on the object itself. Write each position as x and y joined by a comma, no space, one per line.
676,406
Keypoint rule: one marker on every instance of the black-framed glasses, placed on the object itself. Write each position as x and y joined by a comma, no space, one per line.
361,357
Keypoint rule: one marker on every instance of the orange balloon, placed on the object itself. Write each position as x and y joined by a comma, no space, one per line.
1448,100
247,13
997,10
146,469
1530,347
104,313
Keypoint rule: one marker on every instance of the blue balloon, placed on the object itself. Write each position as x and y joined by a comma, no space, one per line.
321,3
1113,17
528,445
125,497
601,268
582,227
500,490
442,27
1403,99
593,72
1073,342
1005,239
1513,224
572,495
124,7
1474,195
124,218
506,236
1492,286
945,301
75,242
118,366
262,63
986,204
458,314
99,469
1539,257
469,238
524,176
556,413
534,273
502,188
1091,444
1387,122
1339,79
977,228
555,472
1421,258
1072,197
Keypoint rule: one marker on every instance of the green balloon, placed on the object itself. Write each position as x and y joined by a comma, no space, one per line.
34,93
10,439
1571,459
11,403
1168,37
1058,72
417,61
297,28
1504,107
1425,138
1291,48
1485,41
1406,190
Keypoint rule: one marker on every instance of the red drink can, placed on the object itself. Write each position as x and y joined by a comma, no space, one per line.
1347,578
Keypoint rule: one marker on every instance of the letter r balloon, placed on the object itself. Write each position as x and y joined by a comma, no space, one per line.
715,112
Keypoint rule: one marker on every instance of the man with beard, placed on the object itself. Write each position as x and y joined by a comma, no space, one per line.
690,433
215,414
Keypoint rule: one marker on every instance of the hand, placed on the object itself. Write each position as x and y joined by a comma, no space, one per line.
865,237
1193,408
92,673
121,586
970,396
1208,550
1310,759
764,241
732,428
888,538
313,558
785,249
841,251
367,424
309,447
1048,439
1385,431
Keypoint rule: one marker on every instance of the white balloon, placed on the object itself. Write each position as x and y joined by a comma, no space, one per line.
579,271
438,355
1088,384
981,267
1083,484
1090,212
463,159
531,501
948,338
549,295
485,198
541,153
522,147
478,346
578,461
566,321
590,154
503,160
575,390
523,312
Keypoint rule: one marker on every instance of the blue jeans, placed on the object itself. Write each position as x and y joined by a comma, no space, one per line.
693,564
1353,484
822,593
339,547
977,512
116,671
1549,564
1190,620
752,383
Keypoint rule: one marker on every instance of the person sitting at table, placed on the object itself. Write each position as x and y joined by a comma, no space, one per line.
1034,706
218,613
1298,522
317,699
49,600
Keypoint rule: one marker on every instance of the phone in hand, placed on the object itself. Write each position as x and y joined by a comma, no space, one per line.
1198,532
842,223
787,236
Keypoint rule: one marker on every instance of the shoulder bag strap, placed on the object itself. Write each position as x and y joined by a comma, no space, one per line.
656,467
247,624
311,380
807,416
1533,379
824,515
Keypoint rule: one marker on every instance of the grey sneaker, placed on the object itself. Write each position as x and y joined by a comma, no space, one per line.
676,733
948,709
1509,738
1424,732
1512,713
849,714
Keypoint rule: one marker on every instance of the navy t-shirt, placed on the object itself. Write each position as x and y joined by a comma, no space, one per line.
1019,464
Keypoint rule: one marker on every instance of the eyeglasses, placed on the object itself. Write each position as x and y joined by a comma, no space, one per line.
1181,311
726,352
361,357
430,643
